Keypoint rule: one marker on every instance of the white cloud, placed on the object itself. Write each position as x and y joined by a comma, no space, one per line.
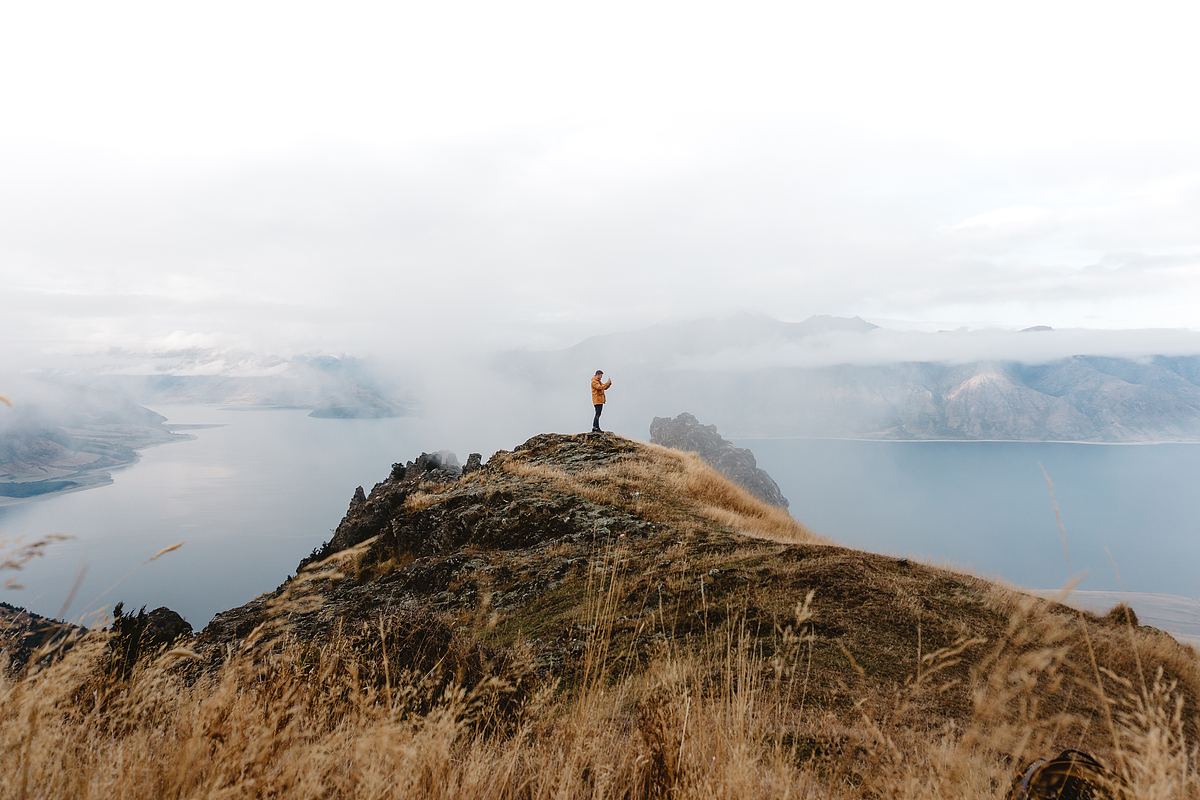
294,177
1018,220
889,346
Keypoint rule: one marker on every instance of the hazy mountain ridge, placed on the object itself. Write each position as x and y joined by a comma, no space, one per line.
1076,399
330,386
1096,398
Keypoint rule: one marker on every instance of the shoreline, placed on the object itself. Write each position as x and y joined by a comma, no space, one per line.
1150,442
1176,614
90,478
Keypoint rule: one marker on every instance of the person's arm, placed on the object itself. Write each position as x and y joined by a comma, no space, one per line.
607,384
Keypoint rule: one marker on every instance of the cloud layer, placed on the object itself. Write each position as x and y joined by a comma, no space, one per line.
284,179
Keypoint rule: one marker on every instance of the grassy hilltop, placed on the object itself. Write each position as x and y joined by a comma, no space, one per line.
589,616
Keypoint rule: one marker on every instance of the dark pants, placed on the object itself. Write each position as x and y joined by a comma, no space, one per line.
596,421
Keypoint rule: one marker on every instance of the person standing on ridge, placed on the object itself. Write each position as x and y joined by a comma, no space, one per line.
599,386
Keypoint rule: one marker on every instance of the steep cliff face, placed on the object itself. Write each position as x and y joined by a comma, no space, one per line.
436,570
685,432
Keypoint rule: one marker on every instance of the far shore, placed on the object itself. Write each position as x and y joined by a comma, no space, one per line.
87,477
1176,614
762,438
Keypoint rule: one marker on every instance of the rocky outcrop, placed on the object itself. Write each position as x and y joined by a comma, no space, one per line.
142,635
685,432
164,627
438,545
24,633
367,512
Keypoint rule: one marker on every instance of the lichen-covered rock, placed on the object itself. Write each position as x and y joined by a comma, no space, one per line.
685,432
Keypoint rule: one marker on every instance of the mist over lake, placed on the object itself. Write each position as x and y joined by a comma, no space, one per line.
252,497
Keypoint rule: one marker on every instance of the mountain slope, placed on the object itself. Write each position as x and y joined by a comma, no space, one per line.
684,551
588,616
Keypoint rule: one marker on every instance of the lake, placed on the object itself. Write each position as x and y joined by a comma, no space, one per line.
1130,513
250,498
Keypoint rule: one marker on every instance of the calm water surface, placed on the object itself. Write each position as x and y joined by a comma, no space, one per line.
250,498
1131,513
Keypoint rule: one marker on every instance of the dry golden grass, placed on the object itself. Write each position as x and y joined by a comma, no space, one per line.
419,501
300,721
664,485
731,710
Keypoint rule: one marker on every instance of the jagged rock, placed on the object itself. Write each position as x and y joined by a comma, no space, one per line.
23,632
441,464
136,636
367,513
736,463
165,627
474,462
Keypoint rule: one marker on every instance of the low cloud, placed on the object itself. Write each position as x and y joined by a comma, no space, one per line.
883,346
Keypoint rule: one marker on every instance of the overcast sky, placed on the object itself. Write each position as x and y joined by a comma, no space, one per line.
356,177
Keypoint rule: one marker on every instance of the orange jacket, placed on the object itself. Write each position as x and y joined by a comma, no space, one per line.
598,390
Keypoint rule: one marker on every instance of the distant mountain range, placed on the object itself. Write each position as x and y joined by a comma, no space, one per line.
844,377
330,386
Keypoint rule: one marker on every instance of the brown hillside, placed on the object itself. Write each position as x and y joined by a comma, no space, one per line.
600,617
687,554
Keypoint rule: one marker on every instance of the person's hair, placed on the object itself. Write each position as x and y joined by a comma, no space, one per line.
599,372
